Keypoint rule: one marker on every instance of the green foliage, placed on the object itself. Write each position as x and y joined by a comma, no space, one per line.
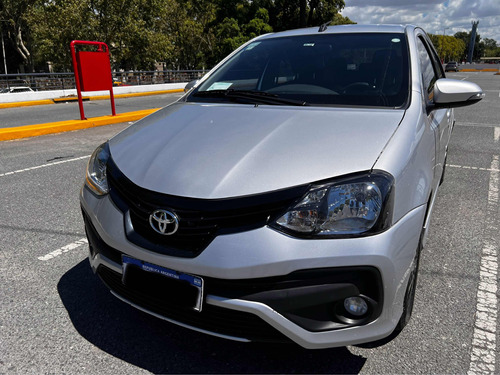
491,48
134,36
292,14
448,47
478,45
180,34
492,52
16,28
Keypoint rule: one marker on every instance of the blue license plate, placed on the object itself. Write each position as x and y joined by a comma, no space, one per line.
194,281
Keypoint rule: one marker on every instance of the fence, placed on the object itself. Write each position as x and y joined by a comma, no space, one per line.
63,81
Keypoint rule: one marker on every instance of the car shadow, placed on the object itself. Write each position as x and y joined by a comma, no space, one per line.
162,347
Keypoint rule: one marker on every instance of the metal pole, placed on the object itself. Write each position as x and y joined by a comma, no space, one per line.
77,80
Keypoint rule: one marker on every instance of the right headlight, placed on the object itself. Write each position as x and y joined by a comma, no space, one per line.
96,179
350,207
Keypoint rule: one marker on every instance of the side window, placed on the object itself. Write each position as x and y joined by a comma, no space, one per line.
438,67
429,76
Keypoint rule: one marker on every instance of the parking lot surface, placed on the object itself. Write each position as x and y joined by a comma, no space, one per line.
19,116
56,316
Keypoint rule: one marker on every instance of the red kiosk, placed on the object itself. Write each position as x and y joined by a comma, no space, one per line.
92,71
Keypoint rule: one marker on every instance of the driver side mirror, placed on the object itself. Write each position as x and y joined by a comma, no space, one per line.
190,85
452,93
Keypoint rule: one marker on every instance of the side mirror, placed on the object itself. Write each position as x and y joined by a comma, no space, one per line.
452,93
190,85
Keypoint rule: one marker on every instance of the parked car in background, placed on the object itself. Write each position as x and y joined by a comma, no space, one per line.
452,66
287,196
16,89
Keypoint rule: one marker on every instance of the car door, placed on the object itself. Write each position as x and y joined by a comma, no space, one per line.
439,120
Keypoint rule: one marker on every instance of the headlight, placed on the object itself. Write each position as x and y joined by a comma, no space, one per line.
96,170
356,206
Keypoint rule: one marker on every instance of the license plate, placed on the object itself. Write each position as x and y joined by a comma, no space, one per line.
194,281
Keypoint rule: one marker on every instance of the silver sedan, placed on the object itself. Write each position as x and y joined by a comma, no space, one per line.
287,195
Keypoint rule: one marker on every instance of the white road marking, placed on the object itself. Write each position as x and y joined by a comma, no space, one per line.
476,124
483,354
473,168
64,249
44,166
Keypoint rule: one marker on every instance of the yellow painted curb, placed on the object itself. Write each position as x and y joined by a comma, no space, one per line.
134,94
26,104
62,126
479,70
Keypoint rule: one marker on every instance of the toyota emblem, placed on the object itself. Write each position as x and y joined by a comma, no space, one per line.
164,222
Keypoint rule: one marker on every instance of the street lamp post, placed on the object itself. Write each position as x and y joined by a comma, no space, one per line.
444,30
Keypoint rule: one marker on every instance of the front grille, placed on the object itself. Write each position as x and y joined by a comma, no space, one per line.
212,318
200,220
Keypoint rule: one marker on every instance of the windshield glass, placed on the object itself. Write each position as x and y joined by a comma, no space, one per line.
324,69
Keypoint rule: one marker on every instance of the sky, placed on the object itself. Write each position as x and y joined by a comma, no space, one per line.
434,16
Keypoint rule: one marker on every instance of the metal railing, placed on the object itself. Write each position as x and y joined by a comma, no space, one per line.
64,81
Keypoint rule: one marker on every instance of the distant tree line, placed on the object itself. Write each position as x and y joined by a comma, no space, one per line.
456,48
180,34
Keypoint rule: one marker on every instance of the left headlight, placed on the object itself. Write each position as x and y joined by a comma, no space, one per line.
350,207
96,170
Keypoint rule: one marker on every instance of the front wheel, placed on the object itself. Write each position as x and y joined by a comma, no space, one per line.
411,288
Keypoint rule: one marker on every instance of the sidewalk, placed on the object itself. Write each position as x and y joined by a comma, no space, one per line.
25,131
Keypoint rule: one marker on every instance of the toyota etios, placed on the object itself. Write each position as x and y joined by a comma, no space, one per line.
287,195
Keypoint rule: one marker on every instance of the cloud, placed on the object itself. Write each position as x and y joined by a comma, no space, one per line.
435,16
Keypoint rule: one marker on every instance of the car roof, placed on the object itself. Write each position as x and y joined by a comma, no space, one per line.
341,29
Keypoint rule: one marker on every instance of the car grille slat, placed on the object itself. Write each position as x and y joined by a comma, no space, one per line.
200,220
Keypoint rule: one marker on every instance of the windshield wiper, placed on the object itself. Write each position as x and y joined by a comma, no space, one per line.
259,96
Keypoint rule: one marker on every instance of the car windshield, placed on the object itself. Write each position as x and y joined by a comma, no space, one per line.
325,69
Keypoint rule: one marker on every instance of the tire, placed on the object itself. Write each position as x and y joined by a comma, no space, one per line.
443,172
411,288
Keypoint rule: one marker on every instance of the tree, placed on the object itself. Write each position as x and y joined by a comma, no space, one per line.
490,43
250,22
130,29
478,45
491,48
188,25
182,34
291,14
238,21
448,47
13,16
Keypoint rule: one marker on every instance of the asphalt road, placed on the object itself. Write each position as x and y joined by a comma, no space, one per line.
40,114
57,317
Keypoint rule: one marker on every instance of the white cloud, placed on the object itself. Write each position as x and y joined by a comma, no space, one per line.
433,15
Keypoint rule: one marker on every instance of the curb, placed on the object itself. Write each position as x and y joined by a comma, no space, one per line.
478,70
26,104
134,94
63,126
97,97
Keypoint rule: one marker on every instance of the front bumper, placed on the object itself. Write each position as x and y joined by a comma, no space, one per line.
242,269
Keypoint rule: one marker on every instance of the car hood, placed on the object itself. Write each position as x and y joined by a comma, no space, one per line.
226,150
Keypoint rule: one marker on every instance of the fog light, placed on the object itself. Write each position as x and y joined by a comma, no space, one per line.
356,306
